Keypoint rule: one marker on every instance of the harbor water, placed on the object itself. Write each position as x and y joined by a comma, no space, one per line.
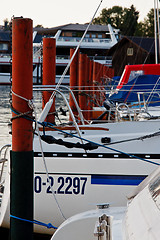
6,138
5,115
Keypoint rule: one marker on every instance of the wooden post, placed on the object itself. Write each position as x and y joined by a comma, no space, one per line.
95,73
90,92
22,134
82,82
87,87
49,72
73,80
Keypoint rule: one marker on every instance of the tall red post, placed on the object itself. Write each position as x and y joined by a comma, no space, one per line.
22,134
22,70
87,87
101,85
49,72
73,81
98,82
95,77
82,82
90,90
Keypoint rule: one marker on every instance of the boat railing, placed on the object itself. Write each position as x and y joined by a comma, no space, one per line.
3,159
86,39
58,91
3,166
53,89
143,106
96,96
122,110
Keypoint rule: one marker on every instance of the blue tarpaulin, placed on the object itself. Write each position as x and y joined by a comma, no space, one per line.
142,83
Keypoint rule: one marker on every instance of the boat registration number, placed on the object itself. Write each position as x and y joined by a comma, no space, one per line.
60,185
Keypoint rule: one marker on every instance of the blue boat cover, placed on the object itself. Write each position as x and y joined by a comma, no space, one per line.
142,83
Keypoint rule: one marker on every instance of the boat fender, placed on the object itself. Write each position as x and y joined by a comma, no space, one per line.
108,104
105,140
51,140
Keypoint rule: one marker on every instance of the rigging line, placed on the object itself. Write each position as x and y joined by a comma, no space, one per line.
148,53
138,50
152,92
67,67
45,165
49,103
98,144
134,139
17,95
46,124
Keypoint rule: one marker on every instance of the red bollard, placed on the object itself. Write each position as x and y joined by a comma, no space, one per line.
87,87
22,133
73,81
49,72
22,82
82,82
90,90
95,80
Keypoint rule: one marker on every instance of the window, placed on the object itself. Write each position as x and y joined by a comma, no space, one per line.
3,46
129,51
99,35
74,34
134,74
87,35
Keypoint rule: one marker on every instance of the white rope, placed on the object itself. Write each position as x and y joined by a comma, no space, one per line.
32,106
67,67
52,96
17,95
44,161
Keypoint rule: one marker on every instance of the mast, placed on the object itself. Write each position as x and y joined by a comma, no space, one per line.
158,35
155,31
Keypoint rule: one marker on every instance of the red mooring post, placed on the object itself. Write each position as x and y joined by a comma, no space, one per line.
22,134
90,105
73,80
95,77
49,73
87,87
82,82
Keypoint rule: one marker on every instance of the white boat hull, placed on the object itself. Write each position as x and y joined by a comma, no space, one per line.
81,180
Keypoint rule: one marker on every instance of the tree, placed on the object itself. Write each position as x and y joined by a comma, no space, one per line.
146,28
39,26
140,30
125,19
130,21
149,24
111,15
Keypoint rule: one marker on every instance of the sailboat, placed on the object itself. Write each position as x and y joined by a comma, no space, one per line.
80,166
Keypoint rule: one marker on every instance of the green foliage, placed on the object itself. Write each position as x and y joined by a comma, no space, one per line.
126,19
149,24
39,26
